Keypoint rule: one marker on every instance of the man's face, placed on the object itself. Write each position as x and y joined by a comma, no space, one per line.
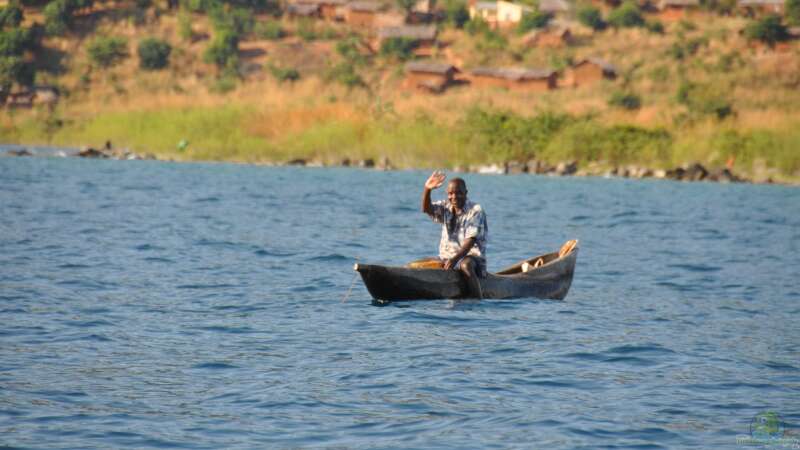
456,194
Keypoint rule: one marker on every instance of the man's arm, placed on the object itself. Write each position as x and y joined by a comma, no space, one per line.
434,181
462,252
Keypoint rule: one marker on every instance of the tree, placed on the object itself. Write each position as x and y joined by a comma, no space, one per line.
531,20
14,41
455,13
224,50
591,17
399,48
107,51
154,54
625,100
58,14
10,16
793,12
626,15
768,30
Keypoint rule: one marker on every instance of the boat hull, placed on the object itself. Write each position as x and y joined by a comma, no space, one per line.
550,281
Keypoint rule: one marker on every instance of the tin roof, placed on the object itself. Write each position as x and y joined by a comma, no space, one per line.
366,6
513,73
421,32
761,2
603,64
302,9
681,3
486,6
430,67
553,6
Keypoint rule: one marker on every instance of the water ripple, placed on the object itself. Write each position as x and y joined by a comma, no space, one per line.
204,310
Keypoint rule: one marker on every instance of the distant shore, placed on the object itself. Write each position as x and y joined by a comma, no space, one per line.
687,172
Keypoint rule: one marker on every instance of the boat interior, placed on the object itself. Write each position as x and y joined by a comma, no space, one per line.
541,260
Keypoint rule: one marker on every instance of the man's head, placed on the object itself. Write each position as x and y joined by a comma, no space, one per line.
457,192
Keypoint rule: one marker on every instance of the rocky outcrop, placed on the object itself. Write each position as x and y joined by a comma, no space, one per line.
119,154
90,152
20,152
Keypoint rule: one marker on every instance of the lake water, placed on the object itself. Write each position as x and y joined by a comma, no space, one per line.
150,304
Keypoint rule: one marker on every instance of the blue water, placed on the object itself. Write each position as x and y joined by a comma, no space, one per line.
156,305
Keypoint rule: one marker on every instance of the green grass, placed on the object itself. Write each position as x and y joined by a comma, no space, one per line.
482,136
213,134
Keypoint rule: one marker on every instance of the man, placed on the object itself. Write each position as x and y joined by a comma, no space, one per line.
464,230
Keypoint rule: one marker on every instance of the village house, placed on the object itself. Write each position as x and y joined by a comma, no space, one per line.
424,36
551,37
499,14
331,9
429,76
671,10
363,14
514,78
756,8
303,11
591,70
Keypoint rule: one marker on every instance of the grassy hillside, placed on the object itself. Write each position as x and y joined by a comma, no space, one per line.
704,93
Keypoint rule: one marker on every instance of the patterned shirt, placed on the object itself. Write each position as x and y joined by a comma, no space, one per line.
471,223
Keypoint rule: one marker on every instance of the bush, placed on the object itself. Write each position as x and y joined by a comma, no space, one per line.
306,31
107,51
625,100
224,49
15,41
58,14
491,41
14,69
509,136
682,50
704,99
10,16
722,7
57,17
586,140
455,13
284,74
202,5
269,30
153,54
793,12
348,49
768,30
654,27
398,48
591,17
476,26
626,15
533,20
238,21
345,74
185,27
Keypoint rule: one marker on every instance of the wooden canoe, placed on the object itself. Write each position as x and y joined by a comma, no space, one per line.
550,280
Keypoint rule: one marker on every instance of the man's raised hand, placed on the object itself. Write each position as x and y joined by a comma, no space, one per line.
435,180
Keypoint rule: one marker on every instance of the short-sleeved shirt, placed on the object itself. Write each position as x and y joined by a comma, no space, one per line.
471,223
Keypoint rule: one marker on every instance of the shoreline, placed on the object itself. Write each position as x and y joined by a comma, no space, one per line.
694,172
